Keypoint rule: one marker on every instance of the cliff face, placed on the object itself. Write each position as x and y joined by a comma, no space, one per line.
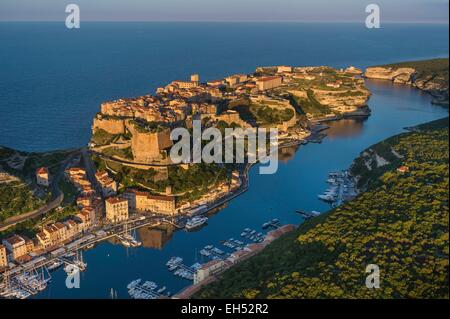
430,76
400,75
342,101
112,126
435,86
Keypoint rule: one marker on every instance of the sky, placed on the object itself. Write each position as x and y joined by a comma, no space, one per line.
426,11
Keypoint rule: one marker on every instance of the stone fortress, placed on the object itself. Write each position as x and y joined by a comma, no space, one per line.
142,125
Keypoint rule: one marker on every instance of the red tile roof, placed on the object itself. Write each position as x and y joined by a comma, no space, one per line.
42,170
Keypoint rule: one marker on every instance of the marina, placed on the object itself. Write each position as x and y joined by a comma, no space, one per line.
13,283
127,239
146,290
25,284
274,223
342,188
175,265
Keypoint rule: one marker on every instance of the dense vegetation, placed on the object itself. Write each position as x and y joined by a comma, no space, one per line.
309,105
125,153
400,223
17,198
101,137
192,182
264,114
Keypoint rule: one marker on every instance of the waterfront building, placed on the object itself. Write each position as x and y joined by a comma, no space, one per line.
84,220
268,83
53,234
3,257
16,245
237,256
116,209
144,202
209,269
43,176
92,212
43,239
71,228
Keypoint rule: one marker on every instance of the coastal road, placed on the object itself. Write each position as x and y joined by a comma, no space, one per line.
90,170
57,195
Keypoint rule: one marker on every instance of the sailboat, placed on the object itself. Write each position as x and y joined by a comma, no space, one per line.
113,294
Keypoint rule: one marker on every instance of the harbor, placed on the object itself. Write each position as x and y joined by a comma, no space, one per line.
146,290
342,188
30,278
178,268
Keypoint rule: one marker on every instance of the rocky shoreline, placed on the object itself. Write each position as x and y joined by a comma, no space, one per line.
432,82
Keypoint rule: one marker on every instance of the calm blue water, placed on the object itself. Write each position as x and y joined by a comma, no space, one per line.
52,81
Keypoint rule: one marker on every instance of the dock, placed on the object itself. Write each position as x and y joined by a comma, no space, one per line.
146,290
308,215
343,188
274,223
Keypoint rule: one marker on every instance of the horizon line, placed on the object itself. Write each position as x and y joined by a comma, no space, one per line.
233,21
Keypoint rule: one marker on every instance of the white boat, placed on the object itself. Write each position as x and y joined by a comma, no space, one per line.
196,266
196,222
217,251
327,197
133,284
161,290
205,253
55,265
135,243
174,261
70,255
126,243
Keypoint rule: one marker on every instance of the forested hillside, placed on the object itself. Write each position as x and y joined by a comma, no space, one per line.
400,223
